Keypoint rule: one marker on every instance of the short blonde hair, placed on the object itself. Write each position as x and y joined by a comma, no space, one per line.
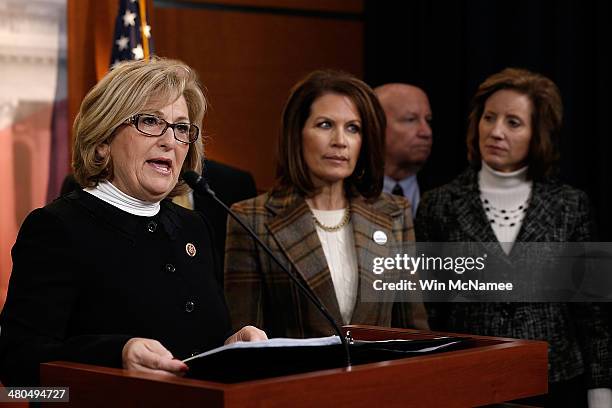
125,91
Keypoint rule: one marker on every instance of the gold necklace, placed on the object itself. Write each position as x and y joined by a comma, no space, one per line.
345,219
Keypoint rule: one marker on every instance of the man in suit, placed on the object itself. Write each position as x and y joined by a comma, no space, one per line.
408,138
229,183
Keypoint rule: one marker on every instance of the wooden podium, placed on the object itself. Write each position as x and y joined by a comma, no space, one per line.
492,370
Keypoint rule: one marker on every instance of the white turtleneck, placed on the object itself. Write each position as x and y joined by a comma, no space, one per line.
505,198
107,192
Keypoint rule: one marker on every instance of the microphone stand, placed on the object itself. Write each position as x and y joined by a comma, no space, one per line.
197,183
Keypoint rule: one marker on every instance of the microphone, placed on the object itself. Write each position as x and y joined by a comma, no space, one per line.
199,185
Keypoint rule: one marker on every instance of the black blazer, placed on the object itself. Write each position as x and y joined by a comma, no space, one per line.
229,183
87,277
578,333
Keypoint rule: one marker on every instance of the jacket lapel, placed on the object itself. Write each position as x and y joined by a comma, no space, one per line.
473,220
292,228
471,216
366,221
536,223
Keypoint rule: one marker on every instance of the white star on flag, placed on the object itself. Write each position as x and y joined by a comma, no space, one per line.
138,52
129,18
122,43
132,39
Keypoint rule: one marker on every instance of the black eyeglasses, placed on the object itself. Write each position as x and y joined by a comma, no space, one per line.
151,125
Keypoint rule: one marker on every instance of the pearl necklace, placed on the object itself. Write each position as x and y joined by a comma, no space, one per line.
345,220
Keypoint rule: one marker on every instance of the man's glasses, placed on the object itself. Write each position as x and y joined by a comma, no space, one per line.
151,125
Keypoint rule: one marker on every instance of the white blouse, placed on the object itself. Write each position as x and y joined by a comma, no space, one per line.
505,198
339,249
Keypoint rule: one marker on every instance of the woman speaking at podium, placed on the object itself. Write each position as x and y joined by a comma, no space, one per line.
114,274
320,218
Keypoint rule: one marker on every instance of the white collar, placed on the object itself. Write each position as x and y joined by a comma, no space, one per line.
107,192
498,180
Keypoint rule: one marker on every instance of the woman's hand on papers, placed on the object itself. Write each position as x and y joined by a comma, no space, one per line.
247,333
148,355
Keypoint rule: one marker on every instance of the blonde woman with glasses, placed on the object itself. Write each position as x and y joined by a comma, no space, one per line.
115,274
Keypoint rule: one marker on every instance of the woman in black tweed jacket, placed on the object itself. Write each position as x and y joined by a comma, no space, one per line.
507,196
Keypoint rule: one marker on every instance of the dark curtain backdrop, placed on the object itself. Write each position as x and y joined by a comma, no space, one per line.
448,48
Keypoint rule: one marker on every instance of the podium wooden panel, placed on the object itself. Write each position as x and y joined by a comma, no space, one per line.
491,370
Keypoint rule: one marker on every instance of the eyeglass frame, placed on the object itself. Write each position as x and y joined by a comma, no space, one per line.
133,121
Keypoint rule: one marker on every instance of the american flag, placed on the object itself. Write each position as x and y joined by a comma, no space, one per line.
132,39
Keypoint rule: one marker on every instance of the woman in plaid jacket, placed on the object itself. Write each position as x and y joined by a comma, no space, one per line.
321,218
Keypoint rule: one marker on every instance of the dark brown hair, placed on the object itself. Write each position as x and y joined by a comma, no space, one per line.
546,117
367,178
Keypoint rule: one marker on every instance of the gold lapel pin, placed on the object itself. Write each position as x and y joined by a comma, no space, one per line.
190,249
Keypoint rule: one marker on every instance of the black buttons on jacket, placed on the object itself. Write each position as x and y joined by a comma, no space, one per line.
189,306
170,268
151,226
